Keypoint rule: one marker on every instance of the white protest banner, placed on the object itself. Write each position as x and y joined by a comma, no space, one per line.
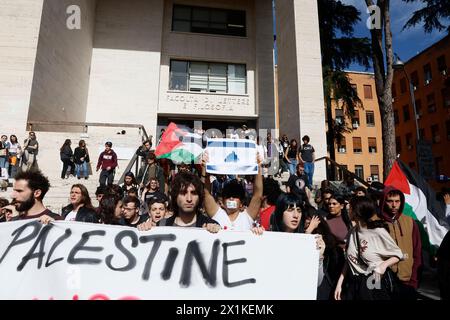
231,156
73,260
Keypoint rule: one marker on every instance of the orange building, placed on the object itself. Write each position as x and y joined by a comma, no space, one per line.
361,150
429,76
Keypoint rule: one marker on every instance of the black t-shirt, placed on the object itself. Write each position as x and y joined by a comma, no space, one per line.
297,185
292,153
306,152
142,219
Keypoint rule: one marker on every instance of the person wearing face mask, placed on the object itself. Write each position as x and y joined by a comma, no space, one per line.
234,216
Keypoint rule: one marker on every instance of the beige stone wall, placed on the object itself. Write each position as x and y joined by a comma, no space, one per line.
211,48
300,75
19,32
61,74
125,62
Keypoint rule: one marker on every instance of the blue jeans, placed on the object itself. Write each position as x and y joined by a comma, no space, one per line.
81,169
309,170
4,162
292,166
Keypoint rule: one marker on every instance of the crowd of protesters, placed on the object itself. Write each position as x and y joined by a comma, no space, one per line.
362,234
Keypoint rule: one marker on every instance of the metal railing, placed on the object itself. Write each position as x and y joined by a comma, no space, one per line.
346,172
86,125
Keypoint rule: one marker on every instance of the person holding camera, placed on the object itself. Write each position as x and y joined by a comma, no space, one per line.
31,149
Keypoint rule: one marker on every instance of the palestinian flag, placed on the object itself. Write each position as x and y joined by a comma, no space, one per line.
180,145
421,203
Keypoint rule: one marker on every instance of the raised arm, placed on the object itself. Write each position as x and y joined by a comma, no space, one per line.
255,202
211,206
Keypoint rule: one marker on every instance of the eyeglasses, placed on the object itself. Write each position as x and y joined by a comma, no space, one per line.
128,209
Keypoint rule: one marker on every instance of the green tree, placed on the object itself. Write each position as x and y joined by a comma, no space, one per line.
339,50
431,14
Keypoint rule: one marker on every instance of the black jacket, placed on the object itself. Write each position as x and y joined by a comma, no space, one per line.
80,153
66,153
83,214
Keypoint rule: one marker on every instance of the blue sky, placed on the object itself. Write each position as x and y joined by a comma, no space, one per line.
406,43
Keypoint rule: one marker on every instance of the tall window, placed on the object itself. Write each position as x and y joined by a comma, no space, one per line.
427,73
372,145
406,115
354,87
446,97
357,147
370,118
409,141
415,80
339,116
431,103
398,144
368,91
375,173
435,136
359,171
207,77
209,20
355,119
442,65
396,118
342,145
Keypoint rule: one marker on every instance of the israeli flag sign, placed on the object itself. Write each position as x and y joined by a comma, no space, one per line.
231,156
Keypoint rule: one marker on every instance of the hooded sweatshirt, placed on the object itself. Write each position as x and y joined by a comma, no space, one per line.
106,160
405,233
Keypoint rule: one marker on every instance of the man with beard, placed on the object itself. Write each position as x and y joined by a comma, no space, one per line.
29,190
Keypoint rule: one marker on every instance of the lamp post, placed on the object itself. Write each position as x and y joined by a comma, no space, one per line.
424,150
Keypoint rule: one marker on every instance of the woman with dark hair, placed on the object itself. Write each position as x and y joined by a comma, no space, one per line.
81,159
370,251
333,255
80,207
66,155
129,182
338,219
287,216
291,156
110,210
15,151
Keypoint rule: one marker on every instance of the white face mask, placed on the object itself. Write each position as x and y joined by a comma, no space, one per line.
231,204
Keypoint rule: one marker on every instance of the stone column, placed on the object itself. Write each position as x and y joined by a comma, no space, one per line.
301,102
